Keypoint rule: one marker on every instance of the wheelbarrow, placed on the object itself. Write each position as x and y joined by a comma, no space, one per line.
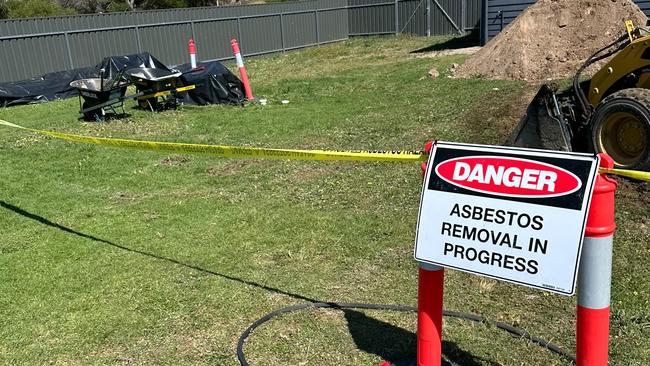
97,95
155,86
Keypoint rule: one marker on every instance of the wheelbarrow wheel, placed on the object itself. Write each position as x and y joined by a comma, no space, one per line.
94,115
149,103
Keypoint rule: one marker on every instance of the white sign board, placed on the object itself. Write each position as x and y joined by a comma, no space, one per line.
512,214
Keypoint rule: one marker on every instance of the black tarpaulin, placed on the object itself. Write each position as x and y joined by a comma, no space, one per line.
215,84
42,88
114,65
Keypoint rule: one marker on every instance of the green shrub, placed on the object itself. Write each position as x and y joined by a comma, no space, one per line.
35,8
4,11
117,6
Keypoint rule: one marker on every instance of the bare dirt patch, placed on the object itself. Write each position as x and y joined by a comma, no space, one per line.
449,52
491,120
174,160
551,39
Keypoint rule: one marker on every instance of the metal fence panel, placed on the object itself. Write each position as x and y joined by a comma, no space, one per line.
261,35
18,56
472,14
333,25
167,43
367,17
413,17
91,47
379,16
299,30
90,21
213,39
447,16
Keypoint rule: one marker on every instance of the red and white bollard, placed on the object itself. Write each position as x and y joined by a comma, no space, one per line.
595,276
242,69
192,49
431,284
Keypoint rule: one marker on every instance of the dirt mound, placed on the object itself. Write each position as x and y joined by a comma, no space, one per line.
551,39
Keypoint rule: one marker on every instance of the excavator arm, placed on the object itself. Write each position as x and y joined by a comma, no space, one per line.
629,68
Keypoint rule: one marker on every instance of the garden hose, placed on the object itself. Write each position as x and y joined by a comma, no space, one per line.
512,330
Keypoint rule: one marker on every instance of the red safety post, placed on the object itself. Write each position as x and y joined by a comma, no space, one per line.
430,289
191,47
427,150
242,69
595,276
431,281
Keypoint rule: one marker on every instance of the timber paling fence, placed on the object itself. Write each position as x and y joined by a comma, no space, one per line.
36,46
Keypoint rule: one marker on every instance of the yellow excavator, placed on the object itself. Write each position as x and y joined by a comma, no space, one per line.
608,113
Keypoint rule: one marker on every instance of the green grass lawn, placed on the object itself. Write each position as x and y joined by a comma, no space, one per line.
111,256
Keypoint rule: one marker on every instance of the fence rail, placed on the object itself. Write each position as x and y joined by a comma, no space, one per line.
39,45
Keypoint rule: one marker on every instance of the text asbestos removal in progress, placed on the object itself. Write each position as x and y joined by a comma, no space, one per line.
511,214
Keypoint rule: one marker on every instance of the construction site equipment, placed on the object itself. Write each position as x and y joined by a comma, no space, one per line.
100,94
154,87
609,113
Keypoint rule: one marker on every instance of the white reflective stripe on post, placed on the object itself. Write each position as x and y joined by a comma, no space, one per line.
595,275
430,267
240,61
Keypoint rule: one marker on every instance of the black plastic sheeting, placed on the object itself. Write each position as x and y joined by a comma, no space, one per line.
43,88
215,84
115,65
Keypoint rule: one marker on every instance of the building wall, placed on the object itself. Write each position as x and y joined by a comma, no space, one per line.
501,12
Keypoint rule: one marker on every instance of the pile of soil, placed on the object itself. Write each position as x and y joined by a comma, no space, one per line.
551,39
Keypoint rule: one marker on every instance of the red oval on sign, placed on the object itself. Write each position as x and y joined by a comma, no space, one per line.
506,176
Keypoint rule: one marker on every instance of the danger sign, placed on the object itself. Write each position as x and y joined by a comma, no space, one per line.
512,214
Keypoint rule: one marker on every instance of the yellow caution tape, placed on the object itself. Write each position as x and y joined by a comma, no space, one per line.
634,174
235,151
256,152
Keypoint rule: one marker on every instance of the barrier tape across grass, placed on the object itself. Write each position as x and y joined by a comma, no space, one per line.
256,152
235,151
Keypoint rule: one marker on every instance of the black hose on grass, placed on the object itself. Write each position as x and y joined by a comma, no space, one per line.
514,331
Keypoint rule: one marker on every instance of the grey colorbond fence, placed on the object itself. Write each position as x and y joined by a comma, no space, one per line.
500,13
35,46
421,17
